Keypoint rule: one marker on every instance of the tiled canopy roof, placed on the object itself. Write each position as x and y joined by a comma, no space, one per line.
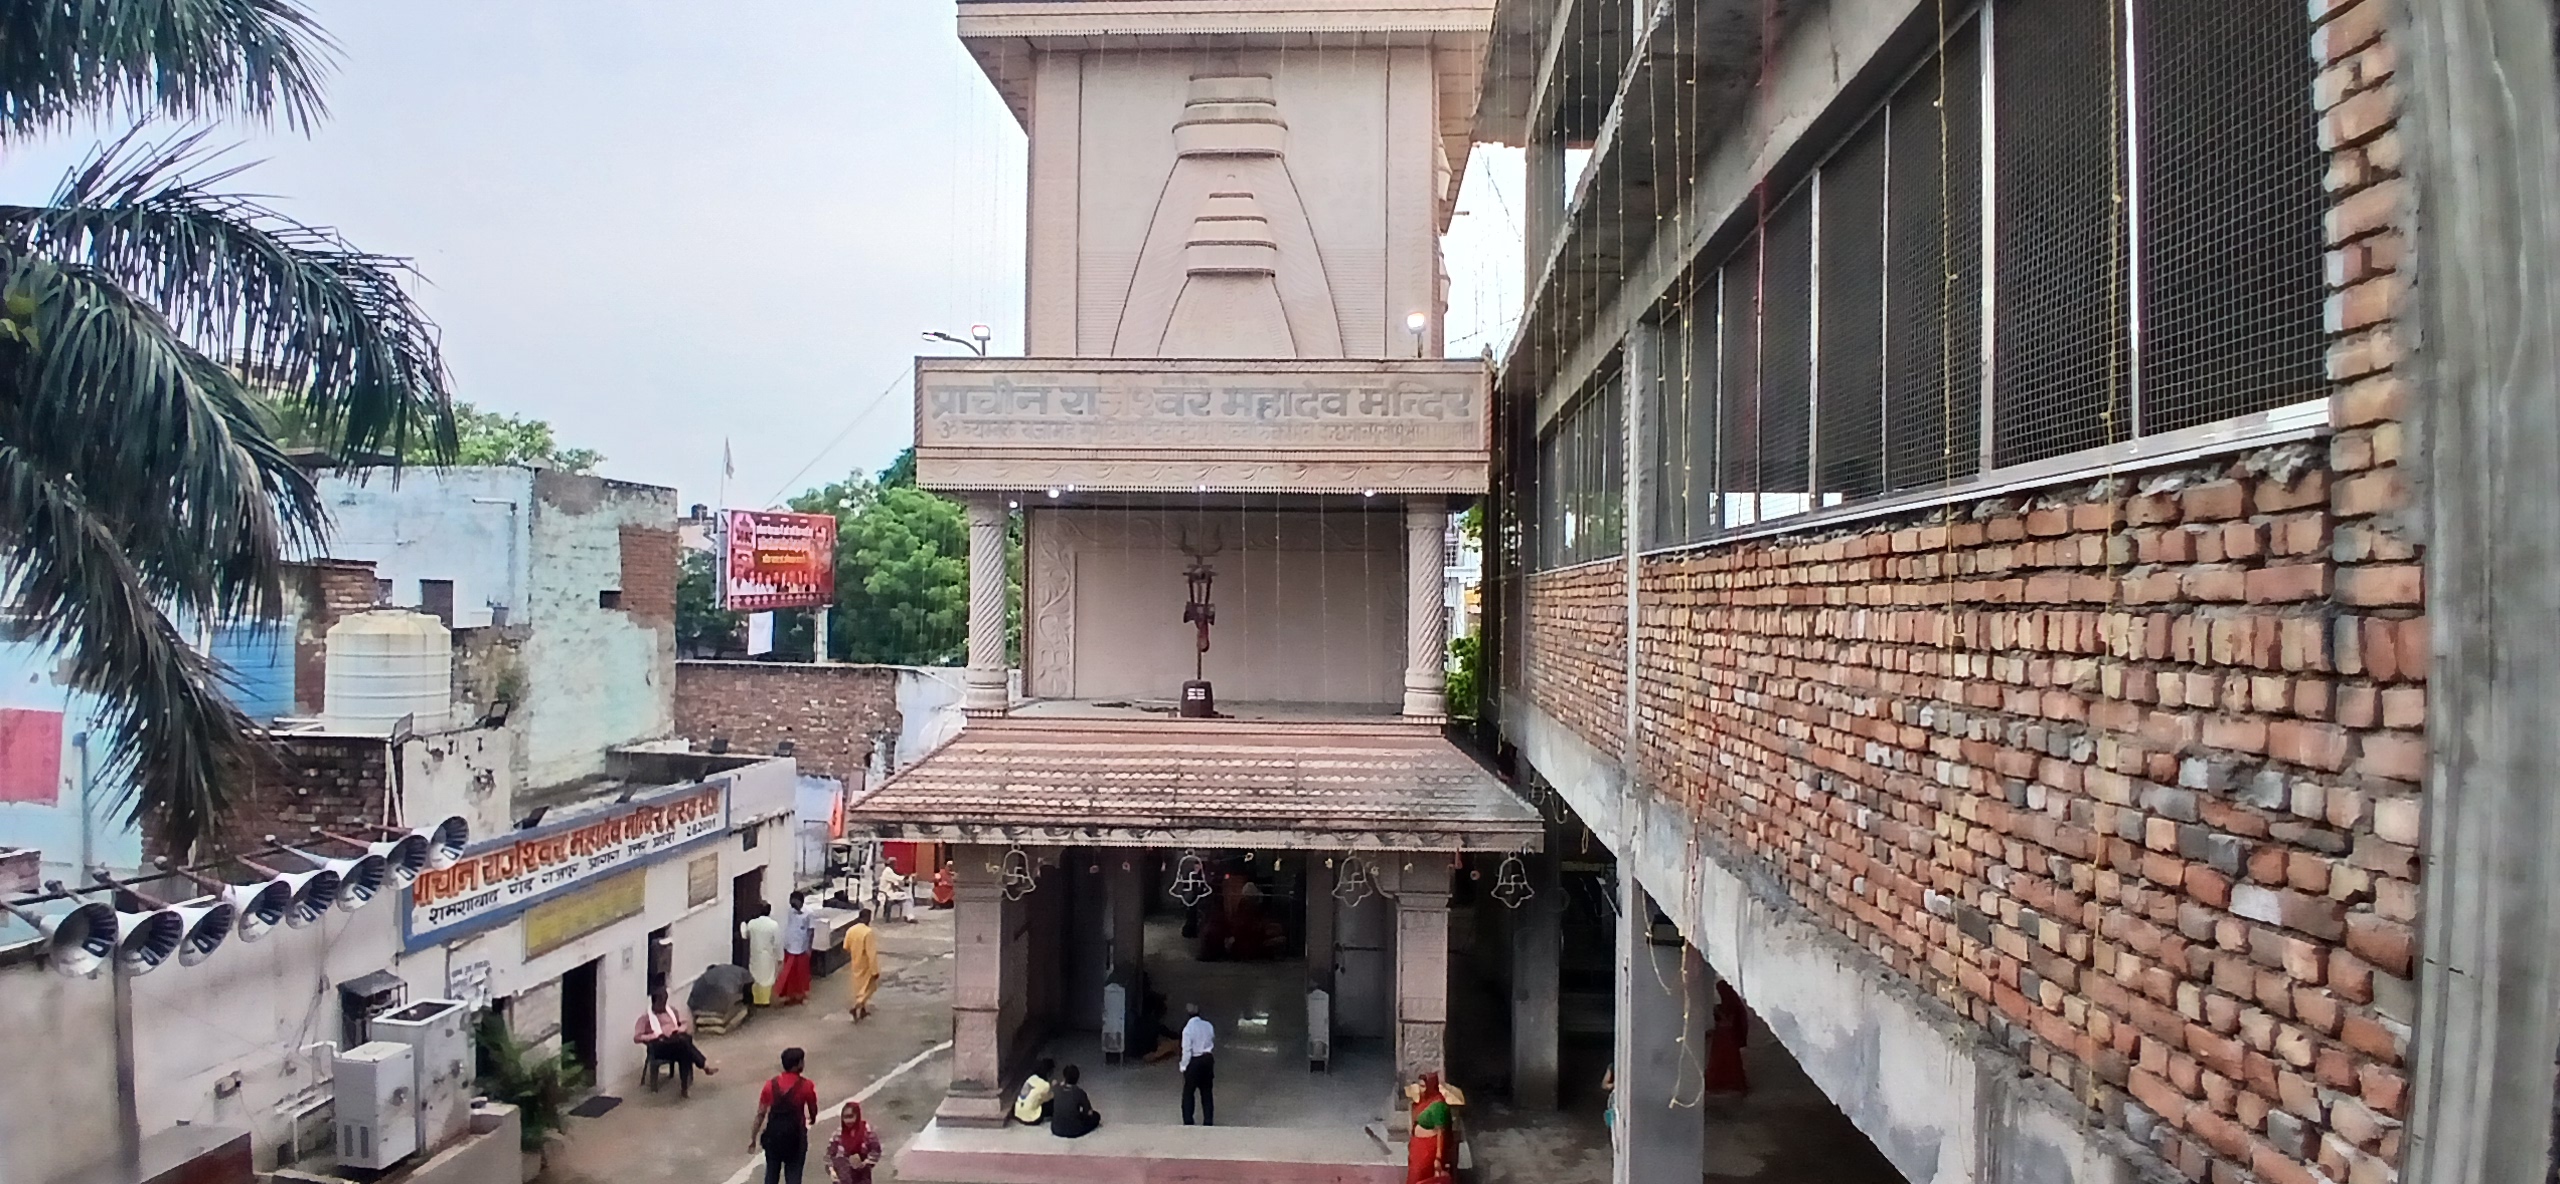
1329,784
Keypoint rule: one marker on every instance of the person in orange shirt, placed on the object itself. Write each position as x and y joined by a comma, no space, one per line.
942,887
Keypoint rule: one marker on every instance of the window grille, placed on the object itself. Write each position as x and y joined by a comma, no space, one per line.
1582,478
1933,271
1849,442
2231,206
2153,230
2063,361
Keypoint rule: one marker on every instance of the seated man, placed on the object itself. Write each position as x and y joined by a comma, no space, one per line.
667,1030
1031,1105
1071,1113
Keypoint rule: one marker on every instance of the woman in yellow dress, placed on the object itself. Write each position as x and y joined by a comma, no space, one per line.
862,962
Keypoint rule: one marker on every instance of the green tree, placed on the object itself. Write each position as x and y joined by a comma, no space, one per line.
137,479
703,628
480,438
902,571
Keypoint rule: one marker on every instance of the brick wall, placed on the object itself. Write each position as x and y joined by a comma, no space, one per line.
649,558
1577,668
329,589
831,714
2126,773
336,783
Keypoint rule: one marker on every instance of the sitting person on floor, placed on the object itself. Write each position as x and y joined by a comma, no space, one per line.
1071,1113
1031,1105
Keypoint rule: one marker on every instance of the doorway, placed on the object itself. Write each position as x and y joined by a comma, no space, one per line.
579,1010
746,892
662,958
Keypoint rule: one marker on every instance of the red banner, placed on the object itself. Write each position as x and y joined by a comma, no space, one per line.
30,755
778,560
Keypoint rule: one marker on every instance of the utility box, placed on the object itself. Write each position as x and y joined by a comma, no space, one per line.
439,1032
377,1105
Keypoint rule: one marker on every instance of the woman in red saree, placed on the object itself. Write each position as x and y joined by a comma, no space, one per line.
855,1149
1431,1154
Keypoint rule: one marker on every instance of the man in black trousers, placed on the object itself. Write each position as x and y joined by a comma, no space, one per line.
1199,1067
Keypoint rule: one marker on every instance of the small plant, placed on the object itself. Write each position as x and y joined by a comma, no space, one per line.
539,1085
1466,676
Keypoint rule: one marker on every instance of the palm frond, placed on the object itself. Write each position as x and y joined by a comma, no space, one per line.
155,439
172,734
185,60
296,308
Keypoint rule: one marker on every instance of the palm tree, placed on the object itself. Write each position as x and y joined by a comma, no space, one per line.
138,484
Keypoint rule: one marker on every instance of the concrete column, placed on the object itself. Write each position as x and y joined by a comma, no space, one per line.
2478,86
1422,962
1664,1002
984,683
1320,922
1426,670
1125,920
976,1097
1537,952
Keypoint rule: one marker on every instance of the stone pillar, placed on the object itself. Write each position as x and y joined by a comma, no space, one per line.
1426,669
1422,962
1537,950
1125,884
976,1097
984,684
1664,1002
1320,922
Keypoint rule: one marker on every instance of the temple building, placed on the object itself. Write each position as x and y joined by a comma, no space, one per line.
1230,458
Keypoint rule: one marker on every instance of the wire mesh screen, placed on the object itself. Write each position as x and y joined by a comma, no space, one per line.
1786,360
2062,357
1849,443
1666,439
1933,271
1696,350
2231,203
1738,433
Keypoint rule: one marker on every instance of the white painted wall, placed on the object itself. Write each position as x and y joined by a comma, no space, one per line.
1311,606
269,1011
595,677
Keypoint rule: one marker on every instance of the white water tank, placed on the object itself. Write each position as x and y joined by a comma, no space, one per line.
386,664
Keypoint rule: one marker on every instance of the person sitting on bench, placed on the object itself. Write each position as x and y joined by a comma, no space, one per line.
667,1030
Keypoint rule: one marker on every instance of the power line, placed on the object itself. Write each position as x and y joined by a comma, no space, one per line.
830,446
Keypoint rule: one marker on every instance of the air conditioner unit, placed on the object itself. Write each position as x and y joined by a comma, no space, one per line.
439,1032
377,1104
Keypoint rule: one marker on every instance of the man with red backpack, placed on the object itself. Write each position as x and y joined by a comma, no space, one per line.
785,1110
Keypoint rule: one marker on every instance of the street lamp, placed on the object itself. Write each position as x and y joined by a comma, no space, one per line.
977,339
1415,323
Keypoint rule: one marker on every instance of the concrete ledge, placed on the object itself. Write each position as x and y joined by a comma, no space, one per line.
1144,1154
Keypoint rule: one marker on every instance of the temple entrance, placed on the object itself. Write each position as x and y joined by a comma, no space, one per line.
1239,935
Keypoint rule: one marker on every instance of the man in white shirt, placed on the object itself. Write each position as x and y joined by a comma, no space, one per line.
1199,1067
799,926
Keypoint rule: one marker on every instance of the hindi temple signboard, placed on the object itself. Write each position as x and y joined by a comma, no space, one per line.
1112,423
497,880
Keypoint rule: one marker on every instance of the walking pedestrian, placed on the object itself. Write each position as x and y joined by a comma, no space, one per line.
861,963
855,1149
799,930
785,1110
1199,1066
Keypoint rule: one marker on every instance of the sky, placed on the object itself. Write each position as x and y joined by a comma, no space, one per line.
668,227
